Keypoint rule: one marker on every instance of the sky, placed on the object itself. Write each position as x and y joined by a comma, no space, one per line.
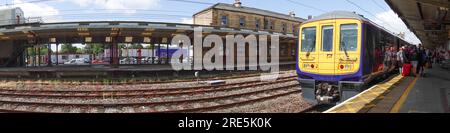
181,11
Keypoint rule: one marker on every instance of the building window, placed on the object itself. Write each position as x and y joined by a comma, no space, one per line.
266,23
242,21
224,20
257,23
272,25
284,27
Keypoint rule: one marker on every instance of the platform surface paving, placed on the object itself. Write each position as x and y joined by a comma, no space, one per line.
431,94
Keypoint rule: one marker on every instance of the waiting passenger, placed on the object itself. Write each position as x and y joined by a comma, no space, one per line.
387,59
393,58
421,59
413,59
401,58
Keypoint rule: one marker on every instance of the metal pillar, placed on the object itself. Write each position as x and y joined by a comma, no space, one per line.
114,53
57,54
49,53
167,52
159,53
180,45
34,56
39,55
27,55
152,43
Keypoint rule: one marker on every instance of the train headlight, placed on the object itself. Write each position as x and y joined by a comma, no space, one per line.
346,67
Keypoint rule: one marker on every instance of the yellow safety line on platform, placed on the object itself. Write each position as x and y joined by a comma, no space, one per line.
363,99
402,99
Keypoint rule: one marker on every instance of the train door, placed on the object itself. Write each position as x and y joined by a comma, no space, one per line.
326,51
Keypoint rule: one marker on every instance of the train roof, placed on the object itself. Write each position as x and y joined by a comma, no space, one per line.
350,15
338,14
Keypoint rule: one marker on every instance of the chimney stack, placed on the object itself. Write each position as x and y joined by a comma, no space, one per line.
292,14
237,3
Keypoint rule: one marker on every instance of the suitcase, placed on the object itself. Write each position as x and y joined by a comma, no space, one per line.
406,69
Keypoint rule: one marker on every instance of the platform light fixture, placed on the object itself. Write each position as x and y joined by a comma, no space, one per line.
82,29
149,29
88,39
30,36
83,34
147,39
108,39
180,30
146,33
52,40
128,39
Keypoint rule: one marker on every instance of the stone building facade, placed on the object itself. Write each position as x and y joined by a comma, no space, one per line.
237,16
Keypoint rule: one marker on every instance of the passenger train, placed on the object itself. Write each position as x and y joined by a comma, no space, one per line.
340,53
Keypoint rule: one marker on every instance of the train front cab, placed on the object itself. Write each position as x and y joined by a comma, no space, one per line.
329,55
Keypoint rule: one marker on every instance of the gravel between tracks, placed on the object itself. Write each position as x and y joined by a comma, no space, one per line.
285,104
292,103
84,87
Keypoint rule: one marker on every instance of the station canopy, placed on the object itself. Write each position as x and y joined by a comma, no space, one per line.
428,19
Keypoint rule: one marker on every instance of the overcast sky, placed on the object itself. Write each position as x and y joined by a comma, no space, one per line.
180,11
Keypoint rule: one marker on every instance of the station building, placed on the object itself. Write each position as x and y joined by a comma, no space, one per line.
241,17
221,19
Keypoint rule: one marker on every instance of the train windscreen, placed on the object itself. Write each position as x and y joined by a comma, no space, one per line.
308,39
349,37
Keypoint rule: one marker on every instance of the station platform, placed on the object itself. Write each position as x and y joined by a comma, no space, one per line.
99,71
399,94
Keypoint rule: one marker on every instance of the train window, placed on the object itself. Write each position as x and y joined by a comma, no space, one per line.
308,39
327,38
349,37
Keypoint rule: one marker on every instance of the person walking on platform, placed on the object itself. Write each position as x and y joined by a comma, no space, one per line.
413,58
421,60
401,59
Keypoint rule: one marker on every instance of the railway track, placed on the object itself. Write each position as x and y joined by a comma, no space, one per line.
129,82
137,92
203,98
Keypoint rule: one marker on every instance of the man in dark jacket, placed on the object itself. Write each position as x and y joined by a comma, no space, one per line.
421,59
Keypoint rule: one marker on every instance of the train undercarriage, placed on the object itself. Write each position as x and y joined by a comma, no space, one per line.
319,92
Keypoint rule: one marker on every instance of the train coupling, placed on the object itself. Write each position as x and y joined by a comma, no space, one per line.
327,93
325,99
